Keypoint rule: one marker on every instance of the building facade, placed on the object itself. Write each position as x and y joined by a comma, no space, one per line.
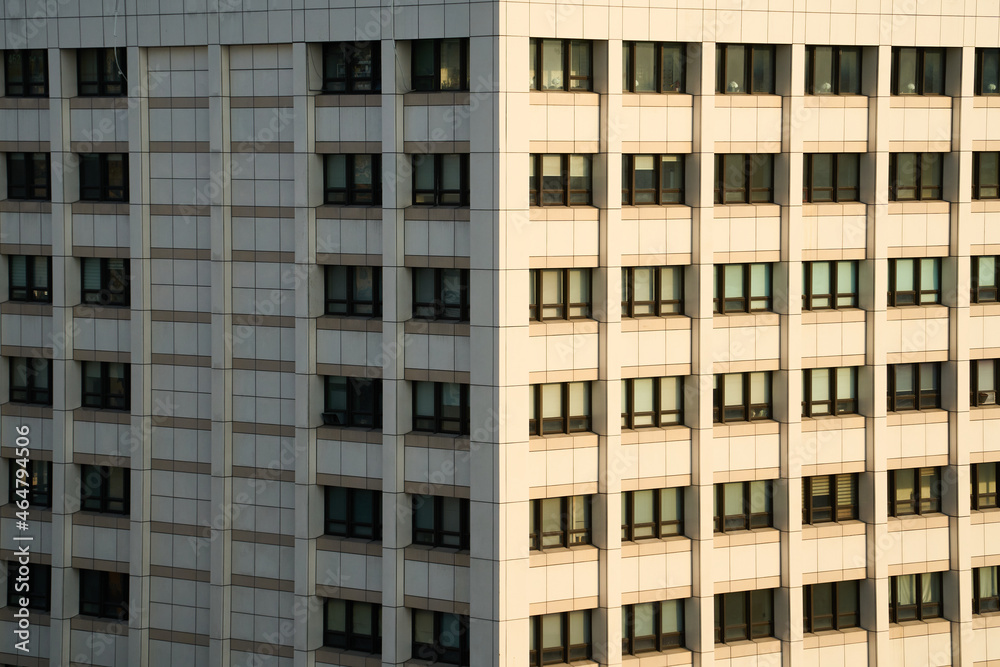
319,320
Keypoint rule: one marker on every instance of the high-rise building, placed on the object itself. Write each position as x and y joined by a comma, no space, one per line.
319,319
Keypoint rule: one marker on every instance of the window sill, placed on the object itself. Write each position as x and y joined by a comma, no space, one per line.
350,545
734,429
43,514
741,538
923,206
987,620
765,318
39,308
822,531
101,519
668,658
436,327
748,100
565,97
664,545
342,99
747,647
991,515
350,434
581,212
27,102
656,323
675,433
984,309
553,441
898,524
913,417
840,100
102,311
339,656
435,98
26,206
986,205
562,327
100,208
436,441
744,210
438,555
336,212
984,412
434,212
810,210
917,312
912,101
834,638
583,553
671,99
833,315
832,423
935,626
99,102
102,416
97,624
656,212
349,323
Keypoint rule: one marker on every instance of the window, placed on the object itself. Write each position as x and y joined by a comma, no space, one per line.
441,294
914,491
26,73
829,391
987,71
104,594
985,279
440,637
917,71
441,407
31,380
652,291
744,616
557,639
744,178
652,402
440,64
106,385
914,386
652,179
829,285
830,177
105,282
744,68
740,397
441,179
984,485
31,583
352,625
34,485
354,180
742,288
352,67
353,513
105,489
653,67
354,291
30,278
101,72
915,176
914,282
561,64
828,498
441,522
351,401
104,177
28,176
652,626
559,408
558,294
742,506
983,377
985,175
985,592
833,606
652,514
833,70
559,180
914,597
559,522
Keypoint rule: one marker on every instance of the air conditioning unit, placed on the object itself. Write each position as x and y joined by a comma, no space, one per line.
986,397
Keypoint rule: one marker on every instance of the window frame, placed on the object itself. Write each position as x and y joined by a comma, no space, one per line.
923,162
920,613
37,495
26,82
347,639
659,416
978,185
661,195
105,399
567,652
921,53
661,528
835,296
101,499
536,427
661,307
116,298
979,397
837,406
749,519
354,388
838,511
750,409
744,600
838,52
441,308
38,592
536,293
30,288
352,195
352,527
719,298
835,613
837,192
920,395
435,85
438,535
104,84
352,305
981,54
982,294
536,180
437,417
350,80
106,605
750,51
566,57
33,394
980,500
30,190
105,188
662,641
438,192
747,179
629,63
992,601
918,293
918,504
568,536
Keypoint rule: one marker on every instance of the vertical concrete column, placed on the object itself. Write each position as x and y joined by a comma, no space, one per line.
698,513
220,201
140,357
395,503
